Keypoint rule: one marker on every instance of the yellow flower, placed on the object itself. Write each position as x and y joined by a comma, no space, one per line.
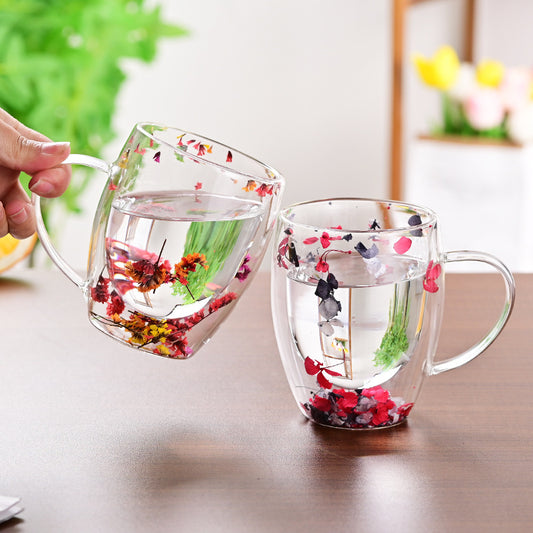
159,333
441,70
163,350
489,73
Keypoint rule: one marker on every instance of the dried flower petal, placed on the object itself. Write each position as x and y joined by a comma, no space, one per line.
116,304
367,253
355,409
432,274
188,264
99,291
402,245
149,276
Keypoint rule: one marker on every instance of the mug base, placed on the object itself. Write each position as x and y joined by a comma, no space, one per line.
371,408
357,428
113,332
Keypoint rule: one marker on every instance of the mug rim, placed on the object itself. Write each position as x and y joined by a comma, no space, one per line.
272,176
431,222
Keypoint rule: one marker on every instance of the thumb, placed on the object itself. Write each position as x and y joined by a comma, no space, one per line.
31,156
18,152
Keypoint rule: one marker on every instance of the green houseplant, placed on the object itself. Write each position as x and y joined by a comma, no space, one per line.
60,69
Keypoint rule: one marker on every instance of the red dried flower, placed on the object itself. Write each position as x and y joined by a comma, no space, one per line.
313,367
321,266
321,403
326,238
215,305
179,348
377,392
381,416
149,276
200,147
116,304
369,408
99,291
405,409
432,274
194,319
244,270
264,189
348,402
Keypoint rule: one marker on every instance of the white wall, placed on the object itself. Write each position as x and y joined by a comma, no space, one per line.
303,85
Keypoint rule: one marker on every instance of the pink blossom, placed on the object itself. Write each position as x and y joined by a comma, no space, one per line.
515,87
520,124
484,109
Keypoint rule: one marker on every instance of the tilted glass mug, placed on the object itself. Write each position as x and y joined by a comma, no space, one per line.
357,302
181,227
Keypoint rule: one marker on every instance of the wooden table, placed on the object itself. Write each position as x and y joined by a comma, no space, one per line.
96,437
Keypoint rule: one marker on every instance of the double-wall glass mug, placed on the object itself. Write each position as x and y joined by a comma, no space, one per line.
181,227
357,302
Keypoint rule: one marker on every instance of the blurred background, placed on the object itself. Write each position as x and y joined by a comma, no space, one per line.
303,85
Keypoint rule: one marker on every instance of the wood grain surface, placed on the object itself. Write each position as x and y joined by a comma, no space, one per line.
97,437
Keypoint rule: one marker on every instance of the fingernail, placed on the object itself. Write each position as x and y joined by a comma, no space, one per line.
41,187
19,217
54,148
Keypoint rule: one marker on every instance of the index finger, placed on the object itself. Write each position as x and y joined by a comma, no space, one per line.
21,128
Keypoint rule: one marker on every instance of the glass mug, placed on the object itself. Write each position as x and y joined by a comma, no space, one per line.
357,302
181,226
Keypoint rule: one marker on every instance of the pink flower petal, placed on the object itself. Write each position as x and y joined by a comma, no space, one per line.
402,245
430,285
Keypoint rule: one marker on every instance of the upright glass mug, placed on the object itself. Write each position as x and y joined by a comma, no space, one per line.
357,302
182,224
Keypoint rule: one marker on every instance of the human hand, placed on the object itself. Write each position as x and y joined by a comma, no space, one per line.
22,149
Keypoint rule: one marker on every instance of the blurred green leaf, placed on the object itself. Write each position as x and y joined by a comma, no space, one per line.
60,68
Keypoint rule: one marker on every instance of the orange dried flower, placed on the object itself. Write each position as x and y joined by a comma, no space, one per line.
148,275
188,264
250,186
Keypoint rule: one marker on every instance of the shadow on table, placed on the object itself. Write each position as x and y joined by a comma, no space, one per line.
195,481
362,442
12,525
8,283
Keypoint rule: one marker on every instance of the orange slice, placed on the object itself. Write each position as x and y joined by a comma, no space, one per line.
14,250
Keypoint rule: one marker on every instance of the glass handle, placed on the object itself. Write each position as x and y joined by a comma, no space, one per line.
485,342
44,237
